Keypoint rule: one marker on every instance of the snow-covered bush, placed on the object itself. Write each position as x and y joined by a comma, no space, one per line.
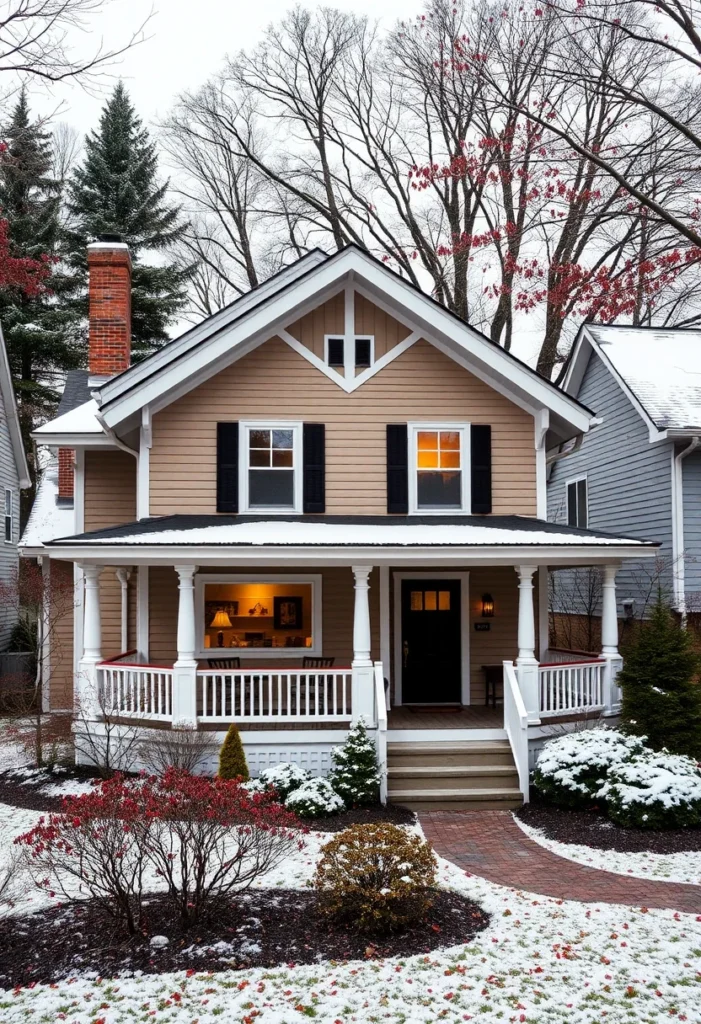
355,774
284,778
654,790
376,877
572,769
254,786
315,799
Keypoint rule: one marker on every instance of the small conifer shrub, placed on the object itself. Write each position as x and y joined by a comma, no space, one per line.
355,775
232,759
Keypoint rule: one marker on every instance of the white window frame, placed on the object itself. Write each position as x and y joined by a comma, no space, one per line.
576,480
11,516
371,339
465,490
327,338
245,427
259,653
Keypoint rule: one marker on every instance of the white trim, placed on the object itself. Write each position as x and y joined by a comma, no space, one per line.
678,543
123,575
576,480
143,468
78,616
541,422
142,612
543,611
306,353
444,735
464,577
79,490
385,613
9,493
465,489
9,403
349,330
275,653
339,368
296,426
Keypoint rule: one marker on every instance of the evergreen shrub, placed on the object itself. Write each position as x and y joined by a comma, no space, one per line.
355,774
572,769
314,799
232,759
654,790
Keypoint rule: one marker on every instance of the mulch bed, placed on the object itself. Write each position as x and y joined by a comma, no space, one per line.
26,792
264,928
592,828
391,814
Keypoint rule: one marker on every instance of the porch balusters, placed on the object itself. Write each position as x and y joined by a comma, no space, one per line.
526,662
185,668
87,682
609,640
363,693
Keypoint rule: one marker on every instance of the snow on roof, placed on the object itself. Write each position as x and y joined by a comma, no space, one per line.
661,367
333,534
81,420
47,520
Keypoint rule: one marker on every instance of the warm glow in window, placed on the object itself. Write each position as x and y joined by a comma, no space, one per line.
258,615
430,600
438,469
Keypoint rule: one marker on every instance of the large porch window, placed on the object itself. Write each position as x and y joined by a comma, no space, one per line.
259,616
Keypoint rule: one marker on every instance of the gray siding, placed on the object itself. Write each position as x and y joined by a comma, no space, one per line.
691,477
629,481
8,552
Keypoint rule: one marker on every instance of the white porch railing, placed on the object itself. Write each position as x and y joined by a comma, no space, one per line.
274,695
570,688
516,726
136,691
381,713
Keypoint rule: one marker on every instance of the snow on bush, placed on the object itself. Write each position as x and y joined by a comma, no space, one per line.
572,769
654,790
315,799
355,775
285,777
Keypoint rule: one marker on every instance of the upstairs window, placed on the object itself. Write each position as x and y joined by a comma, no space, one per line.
9,519
440,481
577,503
272,467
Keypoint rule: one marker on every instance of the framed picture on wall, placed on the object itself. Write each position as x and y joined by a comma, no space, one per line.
287,612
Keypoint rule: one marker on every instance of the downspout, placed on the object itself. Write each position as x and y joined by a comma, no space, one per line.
113,437
678,572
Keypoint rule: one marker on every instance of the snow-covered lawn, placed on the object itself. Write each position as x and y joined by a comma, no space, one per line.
669,867
540,960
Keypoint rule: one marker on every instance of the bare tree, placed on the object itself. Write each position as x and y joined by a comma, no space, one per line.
102,738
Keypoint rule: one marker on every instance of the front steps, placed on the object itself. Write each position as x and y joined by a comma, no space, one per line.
445,775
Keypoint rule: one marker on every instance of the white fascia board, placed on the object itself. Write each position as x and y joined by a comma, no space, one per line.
299,556
10,406
654,432
74,440
179,346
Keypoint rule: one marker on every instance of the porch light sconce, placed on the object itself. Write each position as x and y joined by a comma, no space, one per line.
487,606
220,621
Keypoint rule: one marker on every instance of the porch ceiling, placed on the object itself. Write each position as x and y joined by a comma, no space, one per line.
342,539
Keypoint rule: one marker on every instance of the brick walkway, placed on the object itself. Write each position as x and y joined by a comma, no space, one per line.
490,844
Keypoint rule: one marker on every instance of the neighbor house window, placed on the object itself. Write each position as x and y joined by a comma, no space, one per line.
335,352
259,615
440,479
577,501
272,467
9,519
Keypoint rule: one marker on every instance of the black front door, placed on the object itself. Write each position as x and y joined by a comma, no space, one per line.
431,643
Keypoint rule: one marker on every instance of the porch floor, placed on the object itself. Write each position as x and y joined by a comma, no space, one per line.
474,716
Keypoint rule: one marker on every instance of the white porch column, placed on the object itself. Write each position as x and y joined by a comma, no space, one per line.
87,697
123,577
609,640
363,694
526,663
185,668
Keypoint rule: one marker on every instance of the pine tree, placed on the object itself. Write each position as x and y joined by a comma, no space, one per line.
232,758
355,775
116,192
38,328
661,697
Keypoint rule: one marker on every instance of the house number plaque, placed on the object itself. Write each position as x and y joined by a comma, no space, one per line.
482,627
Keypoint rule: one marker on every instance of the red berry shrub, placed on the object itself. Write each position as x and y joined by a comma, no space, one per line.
206,838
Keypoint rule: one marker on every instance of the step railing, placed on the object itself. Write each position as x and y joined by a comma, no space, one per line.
135,691
381,715
274,695
516,726
571,688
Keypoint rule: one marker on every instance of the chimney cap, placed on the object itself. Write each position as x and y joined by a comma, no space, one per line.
110,237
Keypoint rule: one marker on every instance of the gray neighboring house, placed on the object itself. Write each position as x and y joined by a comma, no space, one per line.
14,476
638,473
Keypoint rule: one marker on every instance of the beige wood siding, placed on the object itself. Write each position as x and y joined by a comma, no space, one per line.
110,489
370,319
61,637
311,329
274,381
337,614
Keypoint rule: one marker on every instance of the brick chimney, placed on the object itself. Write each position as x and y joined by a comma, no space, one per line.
109,305
65,473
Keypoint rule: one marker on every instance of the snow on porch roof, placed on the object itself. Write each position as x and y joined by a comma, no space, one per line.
347,531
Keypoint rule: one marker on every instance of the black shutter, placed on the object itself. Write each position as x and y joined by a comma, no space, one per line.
227,467
314,471
397,469
481,468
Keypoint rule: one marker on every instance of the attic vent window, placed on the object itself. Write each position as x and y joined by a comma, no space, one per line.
363,352
335,352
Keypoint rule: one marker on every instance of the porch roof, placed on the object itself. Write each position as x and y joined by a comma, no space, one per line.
313,533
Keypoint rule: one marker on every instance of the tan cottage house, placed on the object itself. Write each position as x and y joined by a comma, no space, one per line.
326,501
